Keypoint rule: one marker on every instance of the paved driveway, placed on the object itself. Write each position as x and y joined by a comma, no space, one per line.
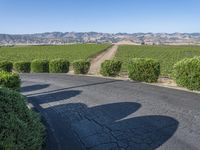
104,114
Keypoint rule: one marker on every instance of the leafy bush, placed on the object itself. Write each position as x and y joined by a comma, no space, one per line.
144,69
40,66
20,128
187,73
111,68
6,66
81,66
9,80
22,66
59,66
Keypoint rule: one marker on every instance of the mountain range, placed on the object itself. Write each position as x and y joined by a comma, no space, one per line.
56,38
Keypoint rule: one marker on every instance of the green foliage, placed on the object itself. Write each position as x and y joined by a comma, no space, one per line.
166,55
111,68
70,52
59,66
9,80
6,66
22,67
144,69
81,66
187,73
20,128
40,66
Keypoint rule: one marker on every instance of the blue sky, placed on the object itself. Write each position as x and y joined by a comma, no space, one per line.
111,16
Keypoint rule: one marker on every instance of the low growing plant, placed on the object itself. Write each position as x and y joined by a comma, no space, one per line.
10,80
59,66
187,73
144,69
111,68
6,66
40,66
81,66
20,127
22,67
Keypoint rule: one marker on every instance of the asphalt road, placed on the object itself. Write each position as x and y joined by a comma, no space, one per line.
103,114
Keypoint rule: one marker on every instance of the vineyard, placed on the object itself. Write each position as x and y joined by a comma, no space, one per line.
69,52
167,55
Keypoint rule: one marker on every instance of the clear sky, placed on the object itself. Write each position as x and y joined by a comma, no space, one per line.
111,16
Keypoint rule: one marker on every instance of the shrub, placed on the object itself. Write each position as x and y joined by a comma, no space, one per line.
144,69
20,128
22,67
81,66
111,68
40,66
187,73
6,66
59,66
9,80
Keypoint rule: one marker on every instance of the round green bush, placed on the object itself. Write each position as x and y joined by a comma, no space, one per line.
111,68
40,66
10,80
187,73
6,66
20,128
59,66
22,67
81,66
144,69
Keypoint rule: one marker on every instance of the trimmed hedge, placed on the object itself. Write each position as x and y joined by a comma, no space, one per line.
20,128
81,66
59,66
187,73
6,66
22,67
40,66
111,68
10,80
144,69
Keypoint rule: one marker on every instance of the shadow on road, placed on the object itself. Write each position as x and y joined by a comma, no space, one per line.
76,86
35,87
108,126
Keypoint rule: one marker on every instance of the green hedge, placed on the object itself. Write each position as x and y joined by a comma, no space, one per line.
9,80
81,66
59,66
20,128
40,66
187,73
111,68
6,66
144,69
22,67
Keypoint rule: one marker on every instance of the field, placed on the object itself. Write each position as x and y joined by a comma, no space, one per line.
167,55
69,52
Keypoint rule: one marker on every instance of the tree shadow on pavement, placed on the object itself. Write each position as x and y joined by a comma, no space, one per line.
35,87
109,126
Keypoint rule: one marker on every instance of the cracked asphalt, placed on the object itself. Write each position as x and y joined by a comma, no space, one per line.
103,114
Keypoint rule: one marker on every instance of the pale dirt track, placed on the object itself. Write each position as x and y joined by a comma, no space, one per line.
96,62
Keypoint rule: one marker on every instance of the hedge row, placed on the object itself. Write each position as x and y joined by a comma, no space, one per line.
20,128
187,73
45,66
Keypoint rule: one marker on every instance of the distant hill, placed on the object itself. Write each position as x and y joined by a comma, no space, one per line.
95,37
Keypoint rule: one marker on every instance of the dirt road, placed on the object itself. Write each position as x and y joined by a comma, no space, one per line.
96,62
